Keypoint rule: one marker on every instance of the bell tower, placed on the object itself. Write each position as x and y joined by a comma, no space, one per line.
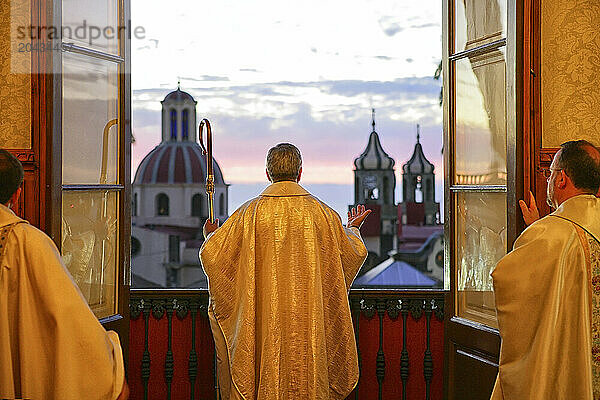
374,179
374,185
418,189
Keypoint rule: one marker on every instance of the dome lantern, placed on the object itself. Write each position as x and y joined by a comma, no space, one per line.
178,116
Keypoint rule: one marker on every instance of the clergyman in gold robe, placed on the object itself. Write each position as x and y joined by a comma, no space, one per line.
52,346
279,270
547,289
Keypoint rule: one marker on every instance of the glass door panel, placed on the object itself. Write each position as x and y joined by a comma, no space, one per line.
480,241
90,246
478,188
93,24
480,141
90,108
478,22
94,164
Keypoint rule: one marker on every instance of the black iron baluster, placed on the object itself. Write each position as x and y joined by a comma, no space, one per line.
193,359
427,360
380,362
158,309
355,305
404,361
146,356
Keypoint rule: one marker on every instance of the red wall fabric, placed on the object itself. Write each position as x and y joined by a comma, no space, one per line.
136,350
205,346
416,335
437,354
392,346
367,346
181,344
416,342
157,345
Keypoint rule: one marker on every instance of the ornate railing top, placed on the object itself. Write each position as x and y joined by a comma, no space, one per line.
374,292
366,301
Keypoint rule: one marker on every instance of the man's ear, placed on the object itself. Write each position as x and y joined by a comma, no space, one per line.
299,175
562,180
14,199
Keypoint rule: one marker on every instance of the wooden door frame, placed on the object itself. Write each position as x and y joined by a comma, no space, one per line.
522,140
45,155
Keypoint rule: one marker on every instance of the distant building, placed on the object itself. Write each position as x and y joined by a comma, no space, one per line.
374,185
170,203
418,190
391,273
405,240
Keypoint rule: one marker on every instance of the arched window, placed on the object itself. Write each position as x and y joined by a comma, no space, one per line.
222,204
173,124
197,205
162,204
184,125
134,205
419,190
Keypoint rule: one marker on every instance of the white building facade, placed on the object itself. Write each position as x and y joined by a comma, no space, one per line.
170,204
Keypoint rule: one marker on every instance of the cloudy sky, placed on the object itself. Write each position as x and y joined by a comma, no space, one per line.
266,71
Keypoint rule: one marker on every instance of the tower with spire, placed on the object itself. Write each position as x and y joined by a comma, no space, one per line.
418,189
374,184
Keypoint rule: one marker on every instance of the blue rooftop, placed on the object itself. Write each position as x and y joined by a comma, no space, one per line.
394,273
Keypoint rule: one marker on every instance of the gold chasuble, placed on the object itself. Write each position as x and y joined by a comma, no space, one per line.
279,271
548,305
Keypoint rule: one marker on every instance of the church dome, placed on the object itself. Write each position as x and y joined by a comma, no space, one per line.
178,95
374,157
176,162
418,163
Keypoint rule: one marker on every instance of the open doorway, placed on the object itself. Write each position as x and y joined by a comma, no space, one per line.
324,76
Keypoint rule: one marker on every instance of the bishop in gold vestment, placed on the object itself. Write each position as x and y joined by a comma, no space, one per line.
279,270
547,293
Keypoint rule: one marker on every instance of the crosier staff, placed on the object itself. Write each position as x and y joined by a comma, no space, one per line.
210,175
210,190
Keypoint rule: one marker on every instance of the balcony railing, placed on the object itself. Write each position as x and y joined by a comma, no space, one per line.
399,336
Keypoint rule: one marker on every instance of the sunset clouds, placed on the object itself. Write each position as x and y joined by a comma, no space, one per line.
306,72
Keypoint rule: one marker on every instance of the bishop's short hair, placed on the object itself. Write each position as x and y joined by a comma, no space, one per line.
11,175
284,162
581,162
